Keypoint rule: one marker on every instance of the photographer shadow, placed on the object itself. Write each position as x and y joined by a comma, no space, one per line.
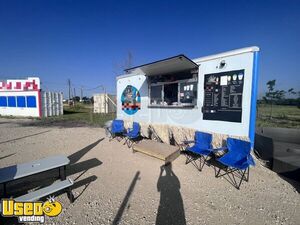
170,210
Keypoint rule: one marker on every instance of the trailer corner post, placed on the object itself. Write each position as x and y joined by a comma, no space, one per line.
253,98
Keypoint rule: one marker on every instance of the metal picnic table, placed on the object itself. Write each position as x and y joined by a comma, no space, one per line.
15,172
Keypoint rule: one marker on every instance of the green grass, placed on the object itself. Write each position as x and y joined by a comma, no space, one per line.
81,114
282,116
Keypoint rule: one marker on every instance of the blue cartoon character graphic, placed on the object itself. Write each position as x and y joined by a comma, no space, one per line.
131,100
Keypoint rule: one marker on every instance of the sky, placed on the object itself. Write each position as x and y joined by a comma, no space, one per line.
89,41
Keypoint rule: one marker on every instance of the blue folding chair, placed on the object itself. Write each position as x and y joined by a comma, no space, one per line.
132,135
201,149
236,161
117,130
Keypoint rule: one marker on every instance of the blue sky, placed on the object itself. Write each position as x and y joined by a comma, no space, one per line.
88,41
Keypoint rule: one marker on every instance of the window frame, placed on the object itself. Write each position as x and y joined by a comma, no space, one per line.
179,104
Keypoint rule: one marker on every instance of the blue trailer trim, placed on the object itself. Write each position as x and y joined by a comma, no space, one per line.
253,98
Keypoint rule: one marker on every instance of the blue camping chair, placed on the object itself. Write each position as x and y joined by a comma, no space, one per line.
117,130
201,149
132,135
236,161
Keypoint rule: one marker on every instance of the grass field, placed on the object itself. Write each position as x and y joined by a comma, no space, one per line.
83,114
282,116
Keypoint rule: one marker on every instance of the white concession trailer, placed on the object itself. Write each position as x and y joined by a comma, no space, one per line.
215,94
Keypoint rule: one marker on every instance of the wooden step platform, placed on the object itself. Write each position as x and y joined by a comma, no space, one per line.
162,151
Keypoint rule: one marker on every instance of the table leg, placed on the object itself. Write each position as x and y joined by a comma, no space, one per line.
62,173
4,189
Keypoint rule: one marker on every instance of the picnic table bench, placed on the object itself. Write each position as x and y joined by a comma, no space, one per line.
15,172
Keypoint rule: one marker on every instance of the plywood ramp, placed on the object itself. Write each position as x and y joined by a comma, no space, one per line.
161,151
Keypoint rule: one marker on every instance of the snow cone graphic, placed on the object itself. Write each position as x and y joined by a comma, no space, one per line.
131,100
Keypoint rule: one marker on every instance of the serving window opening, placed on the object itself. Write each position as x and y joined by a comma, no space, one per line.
156,95
172,82
173,90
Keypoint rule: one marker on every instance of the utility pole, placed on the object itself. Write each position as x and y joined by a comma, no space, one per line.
128,60
69,84
81,93
74,99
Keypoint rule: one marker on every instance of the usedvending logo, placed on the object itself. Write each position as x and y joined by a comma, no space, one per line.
31,211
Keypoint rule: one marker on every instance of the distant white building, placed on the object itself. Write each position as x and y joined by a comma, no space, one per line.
104,103
52,104
24,97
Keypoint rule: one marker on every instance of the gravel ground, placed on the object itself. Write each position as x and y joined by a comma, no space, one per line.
115,186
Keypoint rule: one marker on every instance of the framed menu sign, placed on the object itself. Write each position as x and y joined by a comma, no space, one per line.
223,94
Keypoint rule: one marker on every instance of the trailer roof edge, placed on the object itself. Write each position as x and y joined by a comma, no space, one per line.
128,75
226,54
206,58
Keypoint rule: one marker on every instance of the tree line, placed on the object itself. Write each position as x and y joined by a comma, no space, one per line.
280,97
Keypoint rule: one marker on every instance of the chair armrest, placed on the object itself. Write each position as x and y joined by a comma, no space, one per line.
188,142
128,130
218,149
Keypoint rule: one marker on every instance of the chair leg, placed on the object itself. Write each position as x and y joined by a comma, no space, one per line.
129,143
187,160
230,171
248,174
238,187
110,138
204,162
126,139
201,163
109,134
217,174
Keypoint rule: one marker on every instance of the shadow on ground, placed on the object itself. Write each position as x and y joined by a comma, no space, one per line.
170,210
125,201
292,177
75,157
68,112
6,156
59,123
9,221
22,186
27,136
